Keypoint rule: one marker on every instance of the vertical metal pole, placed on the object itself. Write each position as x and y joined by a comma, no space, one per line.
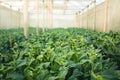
43,28
49,6
76,20
87,15
19,19
11,17
10,38
105,16
94,15
47,14
82,20
79,19
37,17
51,14
25,19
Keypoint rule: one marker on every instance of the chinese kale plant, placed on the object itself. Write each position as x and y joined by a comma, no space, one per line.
60,54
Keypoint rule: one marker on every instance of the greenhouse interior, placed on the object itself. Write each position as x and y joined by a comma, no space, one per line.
59,40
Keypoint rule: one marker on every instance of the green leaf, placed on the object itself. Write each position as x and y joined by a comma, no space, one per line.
28,74
15,76
52,78
20,63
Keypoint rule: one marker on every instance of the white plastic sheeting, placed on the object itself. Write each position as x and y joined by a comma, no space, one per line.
73,6
60,19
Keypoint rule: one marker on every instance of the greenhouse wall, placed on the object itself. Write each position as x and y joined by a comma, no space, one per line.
113,19
7,21
65,21
114,15
61,21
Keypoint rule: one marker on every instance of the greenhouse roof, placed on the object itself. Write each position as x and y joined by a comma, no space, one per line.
59,6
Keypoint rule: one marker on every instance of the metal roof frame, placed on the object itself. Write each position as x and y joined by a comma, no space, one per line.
70,6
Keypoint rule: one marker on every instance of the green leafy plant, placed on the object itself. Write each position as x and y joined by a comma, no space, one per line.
60,54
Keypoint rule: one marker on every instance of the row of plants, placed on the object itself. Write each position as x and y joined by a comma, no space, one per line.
60,54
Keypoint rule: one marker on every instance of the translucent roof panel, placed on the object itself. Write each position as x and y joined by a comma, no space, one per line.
59,6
